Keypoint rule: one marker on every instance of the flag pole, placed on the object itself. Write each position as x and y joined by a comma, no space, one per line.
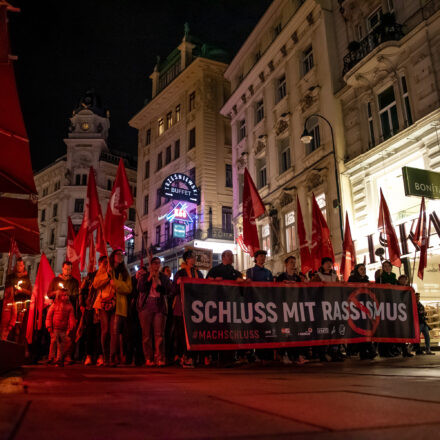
142,231
414,266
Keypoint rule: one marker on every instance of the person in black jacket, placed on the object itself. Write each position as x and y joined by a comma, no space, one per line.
424,328
291,273
89,324
189,270
366,349
153,288
225,270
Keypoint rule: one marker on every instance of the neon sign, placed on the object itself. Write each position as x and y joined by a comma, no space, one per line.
178,213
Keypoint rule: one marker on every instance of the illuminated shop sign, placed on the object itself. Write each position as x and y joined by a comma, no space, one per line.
179,213
179,186
179,230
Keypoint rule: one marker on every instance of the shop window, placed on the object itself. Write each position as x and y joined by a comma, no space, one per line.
192,138
168,155
405,96
320,200
146,200
227,219
371,138
178,113
388,113
315,142
289,221
158,197
148,137
160,126
192,101
259,111
169,120
147,169
177,149
261,173
131,214
284,154
281,88
79,205
228,174
158,235
241,129
307,60
265,239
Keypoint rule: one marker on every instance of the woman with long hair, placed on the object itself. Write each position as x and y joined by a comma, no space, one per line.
113,283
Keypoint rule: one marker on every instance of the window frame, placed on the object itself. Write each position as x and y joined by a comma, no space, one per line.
307,61
281,87
259,111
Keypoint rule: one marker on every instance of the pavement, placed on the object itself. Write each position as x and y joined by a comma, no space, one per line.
381,399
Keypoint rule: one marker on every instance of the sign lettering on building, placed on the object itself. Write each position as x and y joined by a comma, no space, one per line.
179,186
420,183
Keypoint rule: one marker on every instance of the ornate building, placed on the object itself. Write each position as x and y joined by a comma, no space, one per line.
181,131
390,64
282,76
62,185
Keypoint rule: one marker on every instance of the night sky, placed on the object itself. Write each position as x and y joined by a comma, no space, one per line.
67,47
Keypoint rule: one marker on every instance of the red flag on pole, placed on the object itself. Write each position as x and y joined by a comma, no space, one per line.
304,251
348,251
421,237
92,220
44,276
120,200
253,207
386,225
321,244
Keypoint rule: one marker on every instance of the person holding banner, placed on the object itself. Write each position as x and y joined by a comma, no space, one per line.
225,270
291,274
424,328
366,349
326,273
189,270
259,272
152,306
386,274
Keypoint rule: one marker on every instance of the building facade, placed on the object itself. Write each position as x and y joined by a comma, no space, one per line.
62,186
282,76
181,132
390,64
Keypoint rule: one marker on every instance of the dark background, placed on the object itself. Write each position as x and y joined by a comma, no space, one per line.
66,47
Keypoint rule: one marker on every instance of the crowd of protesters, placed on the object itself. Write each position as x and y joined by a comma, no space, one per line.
114,318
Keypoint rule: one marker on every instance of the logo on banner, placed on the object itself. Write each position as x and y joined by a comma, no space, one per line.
353,298
307,333
322,330
285,331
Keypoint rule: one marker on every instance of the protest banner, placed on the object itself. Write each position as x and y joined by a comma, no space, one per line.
228,315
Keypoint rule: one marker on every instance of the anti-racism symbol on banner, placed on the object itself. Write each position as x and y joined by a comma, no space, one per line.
353,298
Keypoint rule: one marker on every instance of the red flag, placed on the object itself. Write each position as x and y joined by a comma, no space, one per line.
120,200
253,207
348,251
71,254
304,251
421,237
92,220
321,244
92,255
14,255
386,225
44,276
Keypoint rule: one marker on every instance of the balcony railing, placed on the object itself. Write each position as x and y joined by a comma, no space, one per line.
380,34
172,242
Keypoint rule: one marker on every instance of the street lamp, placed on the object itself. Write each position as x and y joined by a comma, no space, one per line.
306,138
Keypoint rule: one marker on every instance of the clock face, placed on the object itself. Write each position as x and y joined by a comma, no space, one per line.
85,126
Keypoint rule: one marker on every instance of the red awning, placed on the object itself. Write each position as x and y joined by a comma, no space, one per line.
16,174
18,219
